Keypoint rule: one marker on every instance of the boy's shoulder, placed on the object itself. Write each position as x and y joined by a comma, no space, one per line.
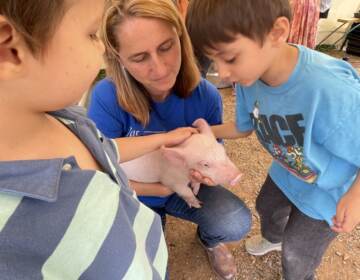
85,128
323,67
71,114
316,76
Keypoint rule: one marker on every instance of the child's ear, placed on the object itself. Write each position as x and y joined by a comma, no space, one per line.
280,31
12,50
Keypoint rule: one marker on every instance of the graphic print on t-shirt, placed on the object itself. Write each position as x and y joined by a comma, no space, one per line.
283,137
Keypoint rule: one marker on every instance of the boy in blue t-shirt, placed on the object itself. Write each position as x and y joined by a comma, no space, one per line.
303,106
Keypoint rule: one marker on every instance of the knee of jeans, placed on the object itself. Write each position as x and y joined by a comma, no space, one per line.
296,265
291,259
244,223
232,226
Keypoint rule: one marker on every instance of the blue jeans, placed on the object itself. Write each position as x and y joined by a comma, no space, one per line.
223,217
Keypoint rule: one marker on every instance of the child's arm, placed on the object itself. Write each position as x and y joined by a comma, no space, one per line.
133,147
228,131
348,209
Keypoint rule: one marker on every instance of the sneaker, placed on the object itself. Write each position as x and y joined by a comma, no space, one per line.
258,246
221,261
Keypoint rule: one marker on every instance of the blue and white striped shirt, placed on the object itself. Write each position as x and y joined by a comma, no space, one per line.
58,221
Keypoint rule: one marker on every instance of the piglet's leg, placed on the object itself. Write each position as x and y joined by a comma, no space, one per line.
187,194
193,202
195,187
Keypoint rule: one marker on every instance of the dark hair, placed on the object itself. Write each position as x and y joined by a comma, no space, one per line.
35,20
215,21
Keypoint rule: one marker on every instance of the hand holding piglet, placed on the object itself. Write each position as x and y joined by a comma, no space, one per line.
178,135
171,165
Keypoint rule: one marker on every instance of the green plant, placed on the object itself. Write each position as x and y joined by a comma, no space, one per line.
101,75
325,47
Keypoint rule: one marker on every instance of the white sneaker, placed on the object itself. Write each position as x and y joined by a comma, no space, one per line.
258,246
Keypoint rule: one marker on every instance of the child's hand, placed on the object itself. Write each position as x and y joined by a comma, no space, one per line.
196,176
347,212
179,135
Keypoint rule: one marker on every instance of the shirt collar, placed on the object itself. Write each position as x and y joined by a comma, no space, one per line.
37,179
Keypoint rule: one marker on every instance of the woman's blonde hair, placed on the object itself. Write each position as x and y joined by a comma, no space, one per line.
132,96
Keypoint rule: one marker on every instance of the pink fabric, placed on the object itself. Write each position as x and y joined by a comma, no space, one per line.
305,22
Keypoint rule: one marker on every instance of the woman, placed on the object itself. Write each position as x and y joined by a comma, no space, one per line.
154,86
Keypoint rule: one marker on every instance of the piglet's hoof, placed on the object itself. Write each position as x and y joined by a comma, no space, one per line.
193,203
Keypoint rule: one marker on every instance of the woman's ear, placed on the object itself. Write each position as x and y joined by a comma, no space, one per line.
280,31
12,51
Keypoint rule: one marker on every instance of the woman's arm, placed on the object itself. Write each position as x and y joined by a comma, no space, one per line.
133,147
150,189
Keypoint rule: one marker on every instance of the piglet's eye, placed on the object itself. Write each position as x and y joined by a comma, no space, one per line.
204,164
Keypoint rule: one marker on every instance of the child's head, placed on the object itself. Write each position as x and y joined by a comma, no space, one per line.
49,51
34,20
225,28
148,53
213,21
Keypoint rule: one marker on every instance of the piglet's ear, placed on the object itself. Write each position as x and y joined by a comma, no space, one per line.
173,155
202,126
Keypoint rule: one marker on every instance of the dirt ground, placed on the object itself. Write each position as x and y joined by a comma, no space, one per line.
187,260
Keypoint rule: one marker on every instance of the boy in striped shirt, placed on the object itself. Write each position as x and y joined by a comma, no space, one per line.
66,209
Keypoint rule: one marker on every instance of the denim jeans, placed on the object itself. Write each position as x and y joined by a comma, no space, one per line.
304,240
223,217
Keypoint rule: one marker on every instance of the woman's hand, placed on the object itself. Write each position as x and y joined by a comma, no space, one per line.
196,176
178,135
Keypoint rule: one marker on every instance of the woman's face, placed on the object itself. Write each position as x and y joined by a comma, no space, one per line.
150,51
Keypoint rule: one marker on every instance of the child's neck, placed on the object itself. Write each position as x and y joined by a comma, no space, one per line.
31,135
282,67
20,126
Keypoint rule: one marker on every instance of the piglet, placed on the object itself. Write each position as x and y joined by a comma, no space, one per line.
171,165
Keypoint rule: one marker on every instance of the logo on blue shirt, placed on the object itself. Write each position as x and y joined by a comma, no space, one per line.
283,138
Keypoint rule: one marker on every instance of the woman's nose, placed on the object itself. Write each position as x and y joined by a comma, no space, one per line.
158,67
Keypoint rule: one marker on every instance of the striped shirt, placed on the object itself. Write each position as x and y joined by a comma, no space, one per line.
58,221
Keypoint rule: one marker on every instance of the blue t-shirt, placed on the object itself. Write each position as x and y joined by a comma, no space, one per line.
204,102
310,126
